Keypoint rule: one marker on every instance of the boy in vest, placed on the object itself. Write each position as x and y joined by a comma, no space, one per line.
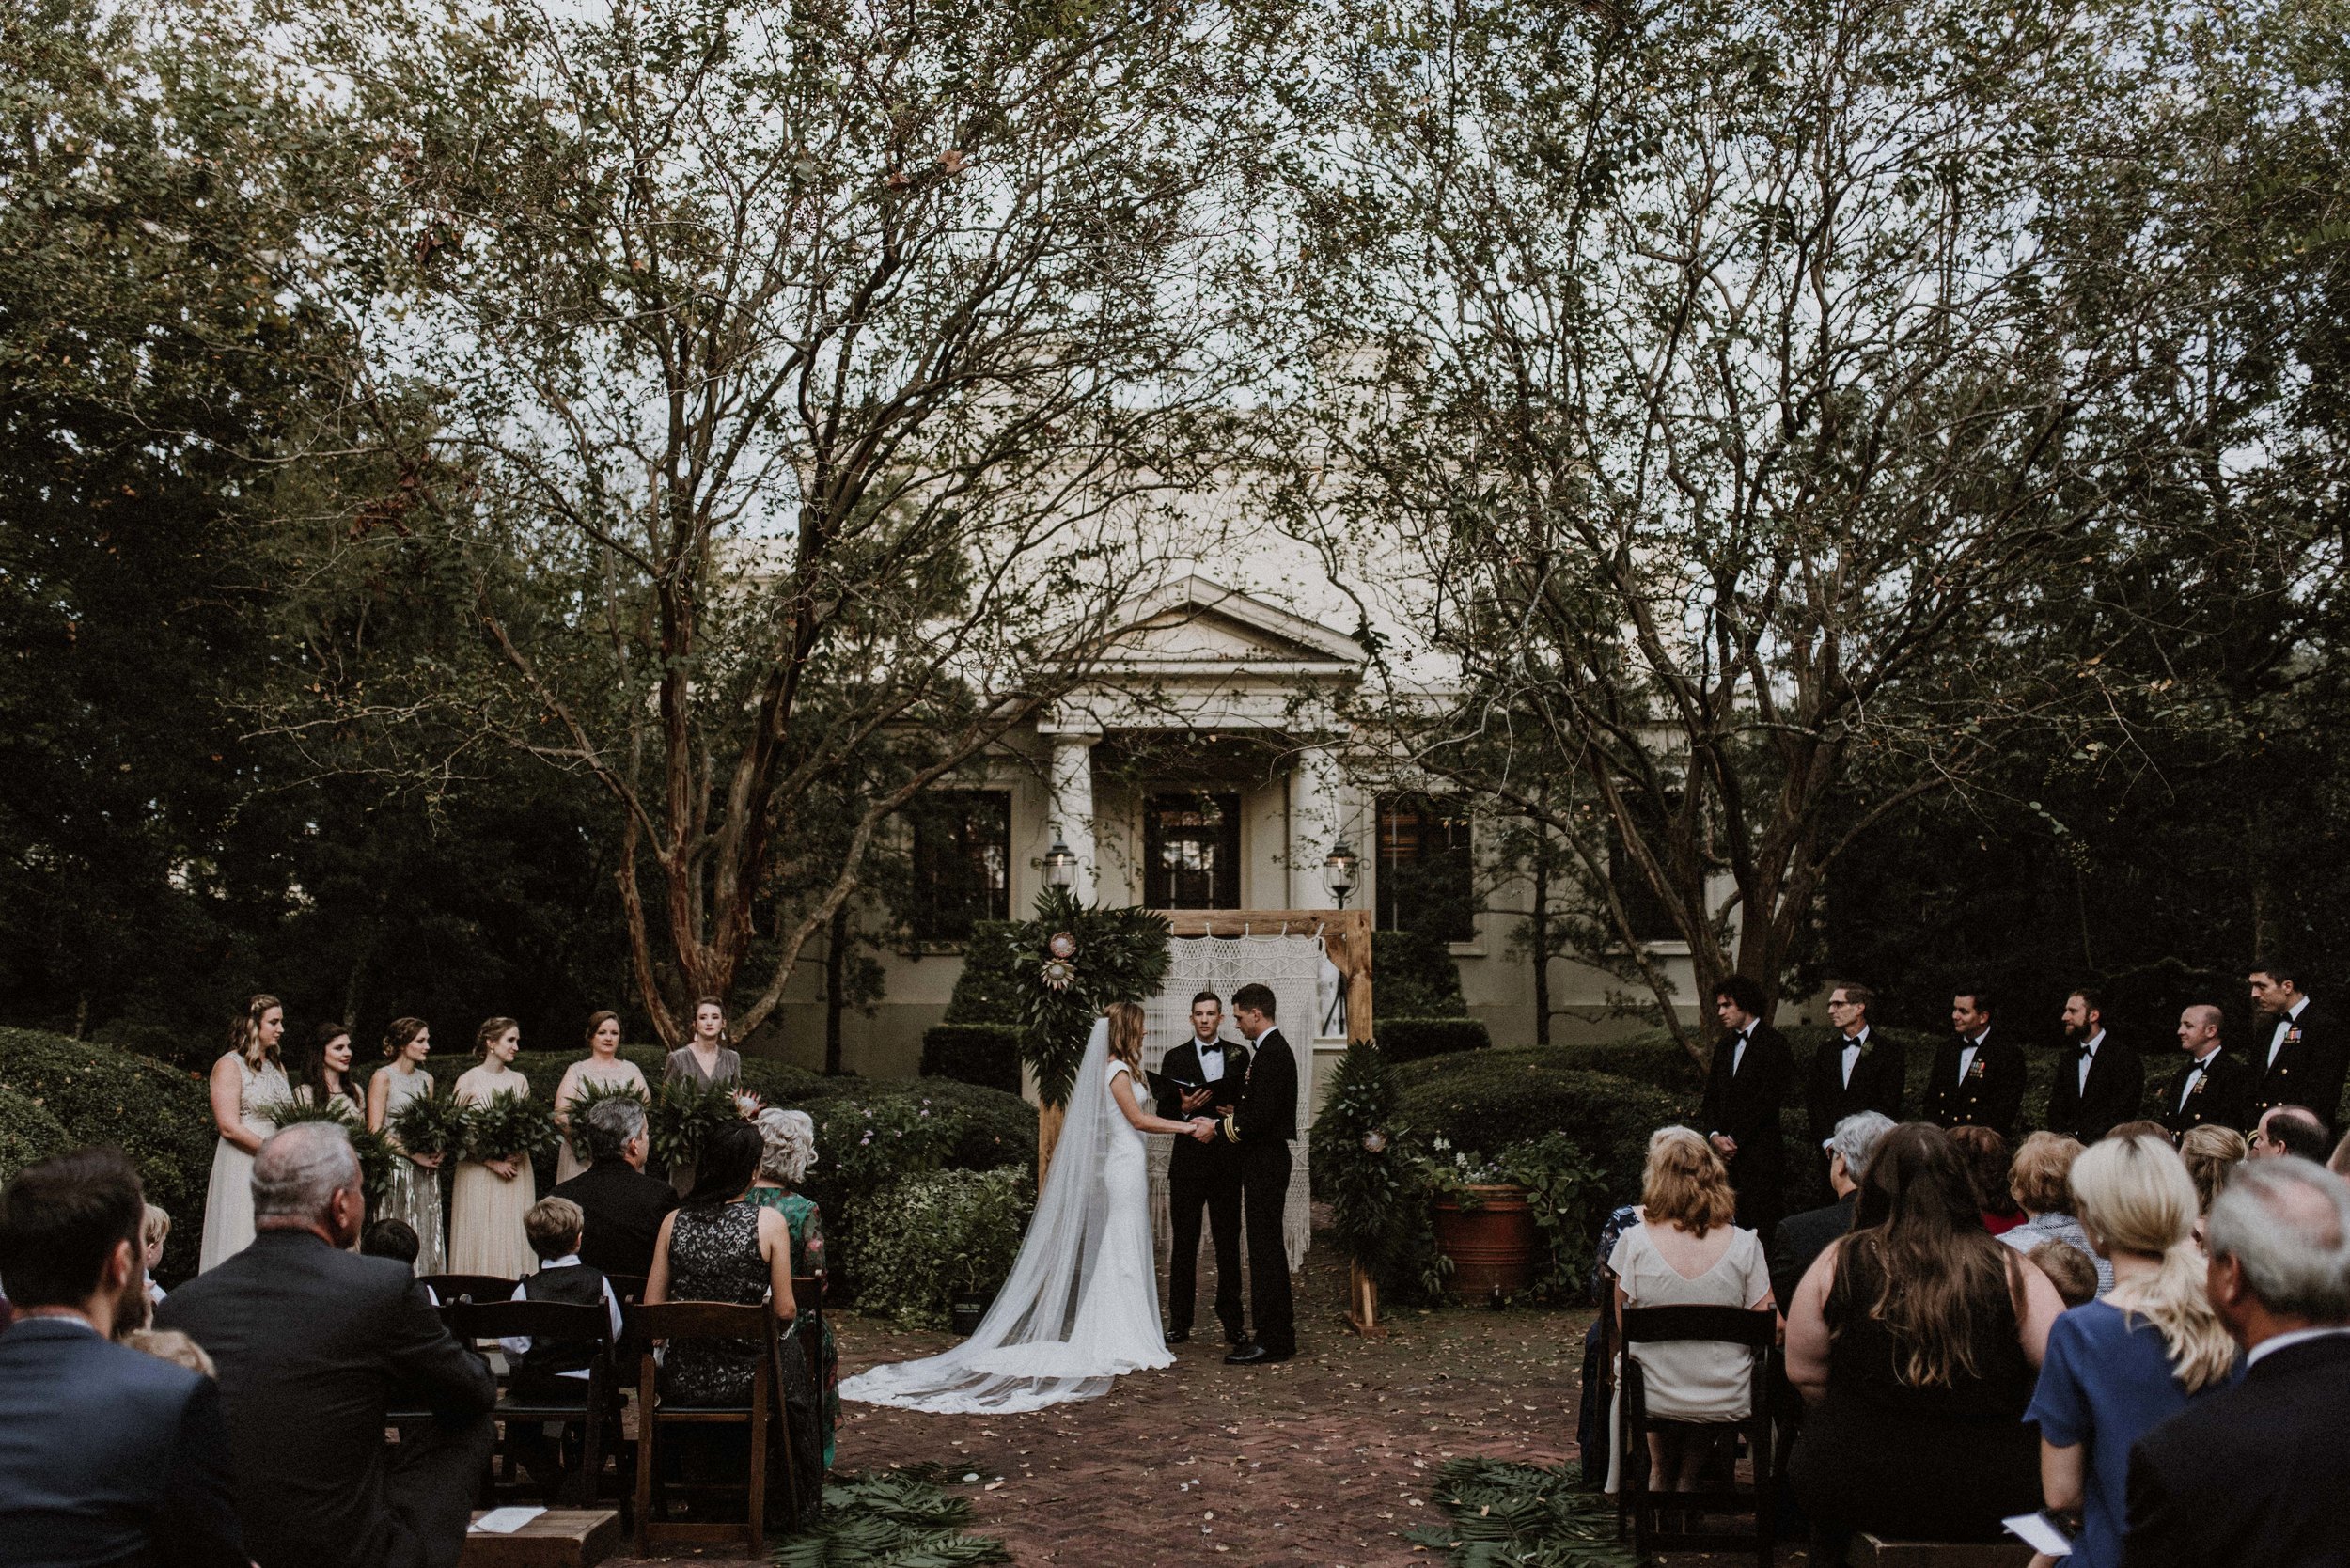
554,1372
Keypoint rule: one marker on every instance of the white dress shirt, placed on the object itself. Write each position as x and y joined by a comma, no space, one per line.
1966,1056
2203,1065
2088,1057
517,1345
1738,1050
1852,1054
2278,1341
2284,1027
1211,1060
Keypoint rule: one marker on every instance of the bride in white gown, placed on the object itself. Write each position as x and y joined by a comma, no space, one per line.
1082,1304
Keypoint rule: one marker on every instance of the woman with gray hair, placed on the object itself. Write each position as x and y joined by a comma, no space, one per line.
789,1138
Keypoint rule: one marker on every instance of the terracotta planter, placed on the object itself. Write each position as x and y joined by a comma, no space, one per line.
1492,1245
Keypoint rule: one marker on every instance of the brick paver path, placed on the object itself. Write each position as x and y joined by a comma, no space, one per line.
1323,1460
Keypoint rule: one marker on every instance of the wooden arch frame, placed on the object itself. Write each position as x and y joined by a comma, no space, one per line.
1345,937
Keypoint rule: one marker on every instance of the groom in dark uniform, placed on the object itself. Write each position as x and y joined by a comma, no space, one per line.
1193,1077
1261,1126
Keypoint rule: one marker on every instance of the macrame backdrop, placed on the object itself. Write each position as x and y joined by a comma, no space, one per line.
1294,967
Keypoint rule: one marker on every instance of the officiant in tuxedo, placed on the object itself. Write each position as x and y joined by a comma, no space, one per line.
1259,1126
1203,1070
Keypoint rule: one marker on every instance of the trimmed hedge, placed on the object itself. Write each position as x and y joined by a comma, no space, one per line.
159,1116
1417,974
1485,1101
27,1133
1402,1039
929,1236
987,989
983,1053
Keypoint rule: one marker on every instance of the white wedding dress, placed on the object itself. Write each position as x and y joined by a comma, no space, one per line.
1081,1306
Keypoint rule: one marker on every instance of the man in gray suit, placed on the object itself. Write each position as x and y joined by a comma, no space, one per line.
316,1345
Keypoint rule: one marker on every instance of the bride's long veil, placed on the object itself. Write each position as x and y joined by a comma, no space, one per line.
1020,1358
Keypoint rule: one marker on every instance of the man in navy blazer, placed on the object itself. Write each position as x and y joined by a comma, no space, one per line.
2255,1473
107,1455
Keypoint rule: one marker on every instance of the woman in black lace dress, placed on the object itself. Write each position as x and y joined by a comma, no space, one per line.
718,1247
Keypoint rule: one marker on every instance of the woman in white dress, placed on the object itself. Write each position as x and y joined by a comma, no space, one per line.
490,1197
1684,1252
247,1084
600,1066
412,1194
1082,1306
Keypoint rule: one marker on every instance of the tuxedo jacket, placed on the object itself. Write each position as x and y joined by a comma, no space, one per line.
1266,1113
2309,1069
2115,1090
2250,1475
1877,1081
1744,1104
1191,1160
2223,1099
624,1209
314,1346
1992,1094
108,1456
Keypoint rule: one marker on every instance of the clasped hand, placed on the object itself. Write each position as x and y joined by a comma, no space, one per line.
1203,1129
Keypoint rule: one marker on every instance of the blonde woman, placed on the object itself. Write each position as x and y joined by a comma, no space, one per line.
248,1083
1685,1252
2119,1367
488,1199
2211,1153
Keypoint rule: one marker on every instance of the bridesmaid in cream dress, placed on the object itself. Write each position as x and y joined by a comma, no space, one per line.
486,1208
412,1195
248,1083
601,1066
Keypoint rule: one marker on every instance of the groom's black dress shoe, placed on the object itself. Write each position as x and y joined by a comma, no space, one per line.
1180,1336
1251,1354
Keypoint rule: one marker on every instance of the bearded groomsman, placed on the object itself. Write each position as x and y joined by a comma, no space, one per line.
2213,1088
2297,1053
1977,1081
1854,1069
1743,1092
2099,1080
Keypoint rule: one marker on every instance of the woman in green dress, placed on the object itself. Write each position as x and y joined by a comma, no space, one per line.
790,1138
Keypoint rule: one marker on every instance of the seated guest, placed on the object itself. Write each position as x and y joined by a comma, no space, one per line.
1986,1155
2255,1473
2290,1130
106,1456
2119,1366
1916,1340
2338,1163
1685,1252
557,1370
2074,1275
169,1345
2144,1127
789,1140
2040,1178
395,1239
315,1346
153,1232
1801,1238
623,1206
2211,1155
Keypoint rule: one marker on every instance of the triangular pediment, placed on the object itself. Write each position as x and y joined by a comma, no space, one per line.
1195,622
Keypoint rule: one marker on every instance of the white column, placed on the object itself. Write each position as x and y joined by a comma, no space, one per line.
1070,816
1318,819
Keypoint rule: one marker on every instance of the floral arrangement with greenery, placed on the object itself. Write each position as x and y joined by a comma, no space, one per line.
509,1126
375,1154
1074,961
685,1111
431,1123
588,1097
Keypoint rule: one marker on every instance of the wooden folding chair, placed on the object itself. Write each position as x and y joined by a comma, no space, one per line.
598,1393
451,1289
675,1321
1758,1332
807,1300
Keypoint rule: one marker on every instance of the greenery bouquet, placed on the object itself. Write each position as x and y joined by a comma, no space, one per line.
509,1126
685,1111
431,1123
375,1155
588,1097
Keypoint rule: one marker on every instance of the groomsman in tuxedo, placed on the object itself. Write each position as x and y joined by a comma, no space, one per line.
1977,1081
1261,1126
1752,1068
1202,1175
1854,1069
2299,1056
2213,1088
2099,1081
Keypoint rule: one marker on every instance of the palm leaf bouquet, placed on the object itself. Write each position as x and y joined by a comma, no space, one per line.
431,1123
375,1155
685,1111
509,1126
588,1097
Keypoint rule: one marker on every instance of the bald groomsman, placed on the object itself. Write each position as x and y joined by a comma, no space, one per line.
2213,1088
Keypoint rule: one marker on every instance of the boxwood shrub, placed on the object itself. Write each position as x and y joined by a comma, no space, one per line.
929,1236
159,1116
1486,1101
985,1054
1402,1039
27,1133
